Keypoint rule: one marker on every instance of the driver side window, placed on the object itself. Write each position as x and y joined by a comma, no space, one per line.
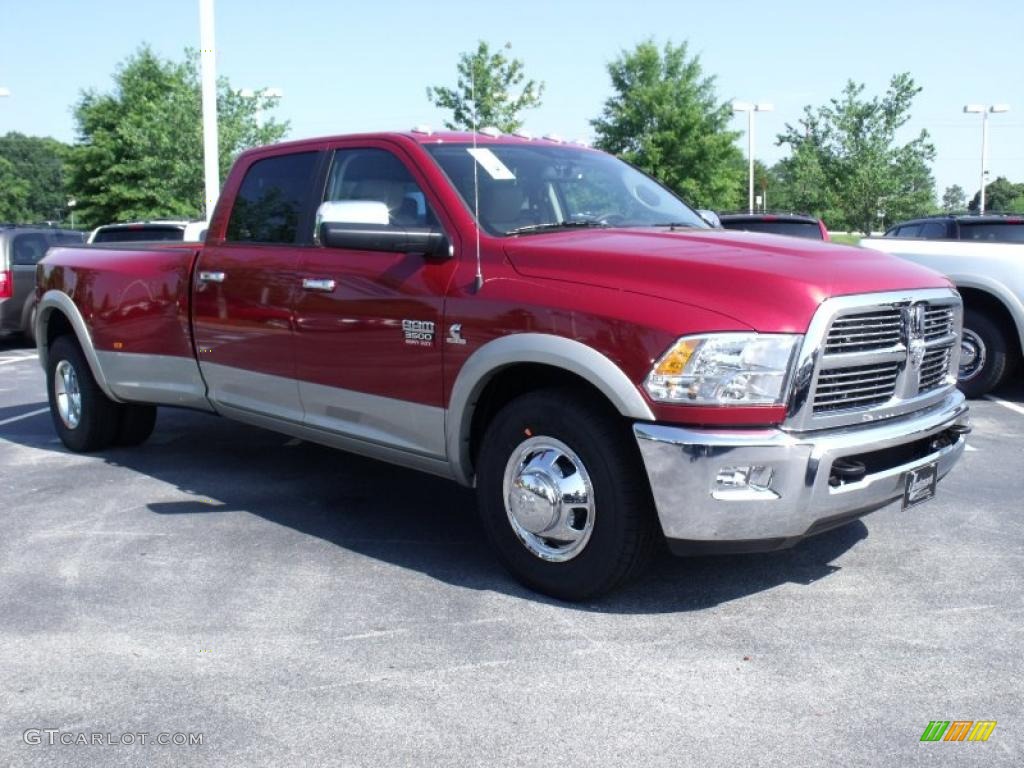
376,175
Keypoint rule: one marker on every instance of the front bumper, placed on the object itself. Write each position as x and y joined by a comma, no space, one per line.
806,495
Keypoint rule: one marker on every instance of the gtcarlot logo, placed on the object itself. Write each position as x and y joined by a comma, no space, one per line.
54,736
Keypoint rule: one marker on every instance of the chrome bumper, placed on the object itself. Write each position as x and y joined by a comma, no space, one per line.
698,514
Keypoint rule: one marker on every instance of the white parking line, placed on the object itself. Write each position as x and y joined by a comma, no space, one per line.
6,360
23,416
1012,406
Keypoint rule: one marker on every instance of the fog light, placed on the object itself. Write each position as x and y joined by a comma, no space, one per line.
744,482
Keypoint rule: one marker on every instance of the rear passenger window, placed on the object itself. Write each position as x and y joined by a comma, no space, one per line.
272,198
934,230
28,250
910,230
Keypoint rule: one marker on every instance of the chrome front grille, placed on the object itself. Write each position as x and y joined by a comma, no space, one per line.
876,356
935,368
864,331
858,387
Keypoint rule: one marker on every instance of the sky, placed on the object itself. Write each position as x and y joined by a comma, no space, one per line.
345,67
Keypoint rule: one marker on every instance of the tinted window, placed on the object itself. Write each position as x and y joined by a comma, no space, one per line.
933,230
140,234
272,198
29,249
995,232
378,175
909,230
806,229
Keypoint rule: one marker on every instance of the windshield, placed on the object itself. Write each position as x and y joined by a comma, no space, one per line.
525,188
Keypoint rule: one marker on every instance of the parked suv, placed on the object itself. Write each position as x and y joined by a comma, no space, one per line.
150,231
21,248
793,224
991,227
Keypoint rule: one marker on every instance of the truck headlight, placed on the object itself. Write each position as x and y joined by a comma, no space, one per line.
724,369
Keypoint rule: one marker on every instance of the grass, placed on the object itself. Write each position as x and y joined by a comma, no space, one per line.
845,238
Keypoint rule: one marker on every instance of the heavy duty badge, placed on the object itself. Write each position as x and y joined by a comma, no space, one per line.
419,332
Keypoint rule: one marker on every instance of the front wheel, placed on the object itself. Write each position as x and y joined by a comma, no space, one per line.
563,496
984,355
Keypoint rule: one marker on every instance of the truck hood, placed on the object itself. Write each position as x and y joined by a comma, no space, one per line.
771,283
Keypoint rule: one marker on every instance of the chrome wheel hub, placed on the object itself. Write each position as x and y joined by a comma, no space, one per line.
549,498
67,394
972,355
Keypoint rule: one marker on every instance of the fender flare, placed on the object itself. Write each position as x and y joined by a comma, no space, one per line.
537,348
1013,305
57,301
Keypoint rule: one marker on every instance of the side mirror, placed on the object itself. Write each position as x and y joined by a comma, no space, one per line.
710,218
362,225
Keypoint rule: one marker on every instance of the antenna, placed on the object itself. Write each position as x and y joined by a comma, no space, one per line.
478,283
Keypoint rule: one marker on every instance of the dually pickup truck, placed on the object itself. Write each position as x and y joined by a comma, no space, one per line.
535,319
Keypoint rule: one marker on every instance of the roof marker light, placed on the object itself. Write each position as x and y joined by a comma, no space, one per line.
491,131
524,135
553,137
425,129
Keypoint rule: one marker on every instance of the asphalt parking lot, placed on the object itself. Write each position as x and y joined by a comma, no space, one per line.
299,606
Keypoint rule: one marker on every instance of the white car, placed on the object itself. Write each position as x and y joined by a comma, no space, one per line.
150,231
984,257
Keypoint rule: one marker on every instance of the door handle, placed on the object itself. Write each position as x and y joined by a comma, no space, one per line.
313,284
211,277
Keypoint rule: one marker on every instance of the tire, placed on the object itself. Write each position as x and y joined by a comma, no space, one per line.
552,442
137,422
30,329
985,350
93,424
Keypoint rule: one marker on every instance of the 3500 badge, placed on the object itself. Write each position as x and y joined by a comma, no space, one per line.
419,332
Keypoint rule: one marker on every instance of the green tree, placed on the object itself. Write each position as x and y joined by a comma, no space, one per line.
14,194
954,199
798,184
139,153
36,167
867,176
489,92
666,119
1000,195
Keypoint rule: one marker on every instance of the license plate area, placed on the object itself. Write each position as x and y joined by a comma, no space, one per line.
920,485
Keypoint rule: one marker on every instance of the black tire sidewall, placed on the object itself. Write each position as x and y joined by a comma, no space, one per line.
99,420
605,560
996,354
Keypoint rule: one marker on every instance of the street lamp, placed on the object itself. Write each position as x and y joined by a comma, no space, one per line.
750,109
208,80
984,110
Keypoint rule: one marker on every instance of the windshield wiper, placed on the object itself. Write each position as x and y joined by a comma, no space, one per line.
530,228
671,224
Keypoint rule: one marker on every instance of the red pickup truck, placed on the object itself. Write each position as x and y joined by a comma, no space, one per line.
535,319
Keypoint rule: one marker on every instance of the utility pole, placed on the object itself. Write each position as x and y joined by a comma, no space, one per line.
208,73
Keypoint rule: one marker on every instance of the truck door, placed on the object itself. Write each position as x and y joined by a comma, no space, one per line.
245,285
369,333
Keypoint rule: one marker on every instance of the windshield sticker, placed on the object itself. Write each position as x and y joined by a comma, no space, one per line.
490,163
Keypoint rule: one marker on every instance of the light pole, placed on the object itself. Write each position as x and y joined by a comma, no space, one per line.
208,75
71,207
750,108
984,110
